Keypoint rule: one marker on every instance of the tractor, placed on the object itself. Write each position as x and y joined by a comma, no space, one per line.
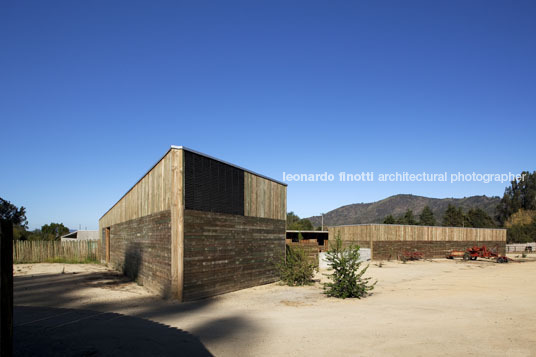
477,252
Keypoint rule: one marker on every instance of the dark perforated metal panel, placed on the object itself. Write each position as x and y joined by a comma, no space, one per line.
212,186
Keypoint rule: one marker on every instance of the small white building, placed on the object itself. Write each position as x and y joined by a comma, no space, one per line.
80,235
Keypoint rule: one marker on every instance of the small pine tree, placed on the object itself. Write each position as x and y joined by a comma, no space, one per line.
347,279
426,218
389,219
454,217
407,218
478,218
296,268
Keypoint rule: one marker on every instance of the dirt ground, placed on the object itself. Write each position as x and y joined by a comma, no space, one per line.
438,307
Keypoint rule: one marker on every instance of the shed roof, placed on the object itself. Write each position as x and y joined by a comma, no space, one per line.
82,235
175,147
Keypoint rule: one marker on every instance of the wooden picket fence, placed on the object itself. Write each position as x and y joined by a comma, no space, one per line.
56,252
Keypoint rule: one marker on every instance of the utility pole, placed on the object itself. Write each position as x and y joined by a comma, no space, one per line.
322,222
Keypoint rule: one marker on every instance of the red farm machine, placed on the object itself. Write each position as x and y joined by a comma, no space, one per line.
411,256
477,252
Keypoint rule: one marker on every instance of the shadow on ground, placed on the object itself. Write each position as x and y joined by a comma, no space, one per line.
62,290
63,324
46,331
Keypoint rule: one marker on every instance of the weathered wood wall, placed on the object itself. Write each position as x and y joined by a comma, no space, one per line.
224,252
151,194
56,251
386,250
392,232
141,249
142,242
264,198
195,255
389,241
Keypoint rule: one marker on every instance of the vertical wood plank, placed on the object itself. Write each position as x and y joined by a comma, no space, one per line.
177,224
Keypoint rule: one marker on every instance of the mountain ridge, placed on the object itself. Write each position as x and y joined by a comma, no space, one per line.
396,205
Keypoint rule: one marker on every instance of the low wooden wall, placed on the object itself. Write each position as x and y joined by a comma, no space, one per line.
389,241
141,249
387,250
224,252
56,251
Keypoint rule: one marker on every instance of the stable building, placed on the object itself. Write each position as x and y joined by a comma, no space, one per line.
310,238
80,235
392,241
195,226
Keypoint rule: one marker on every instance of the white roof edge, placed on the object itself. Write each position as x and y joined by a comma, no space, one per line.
227,163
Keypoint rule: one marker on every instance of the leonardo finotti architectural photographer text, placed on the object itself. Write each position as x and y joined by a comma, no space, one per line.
370,176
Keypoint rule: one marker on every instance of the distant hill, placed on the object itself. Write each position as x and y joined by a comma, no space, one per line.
375,212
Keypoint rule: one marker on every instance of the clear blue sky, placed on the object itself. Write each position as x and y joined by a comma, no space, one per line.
94,92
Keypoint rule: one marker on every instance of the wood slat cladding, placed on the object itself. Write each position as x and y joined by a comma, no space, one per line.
212,186
385,250
151,194
225,252
389,241
141,249
158,239
391,232
264,198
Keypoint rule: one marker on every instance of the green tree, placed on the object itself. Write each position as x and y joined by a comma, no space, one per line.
520,194
453,217
13,214
426,218
389,219
53,231
292,219
407,218
295,223
20,233
478,218
522,233
347,279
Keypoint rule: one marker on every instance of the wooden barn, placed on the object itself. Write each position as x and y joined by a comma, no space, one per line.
391,241
194,226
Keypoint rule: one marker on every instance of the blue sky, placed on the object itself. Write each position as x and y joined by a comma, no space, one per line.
94,92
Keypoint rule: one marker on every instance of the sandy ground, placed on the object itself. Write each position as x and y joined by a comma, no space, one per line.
438,307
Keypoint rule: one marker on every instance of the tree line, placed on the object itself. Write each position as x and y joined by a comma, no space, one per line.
453,217
295,223
516,212
517,209
17,216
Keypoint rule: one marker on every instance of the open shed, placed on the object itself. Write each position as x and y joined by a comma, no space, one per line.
80,236
195,226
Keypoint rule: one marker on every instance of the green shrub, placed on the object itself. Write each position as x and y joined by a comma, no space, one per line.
296,268
347,279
